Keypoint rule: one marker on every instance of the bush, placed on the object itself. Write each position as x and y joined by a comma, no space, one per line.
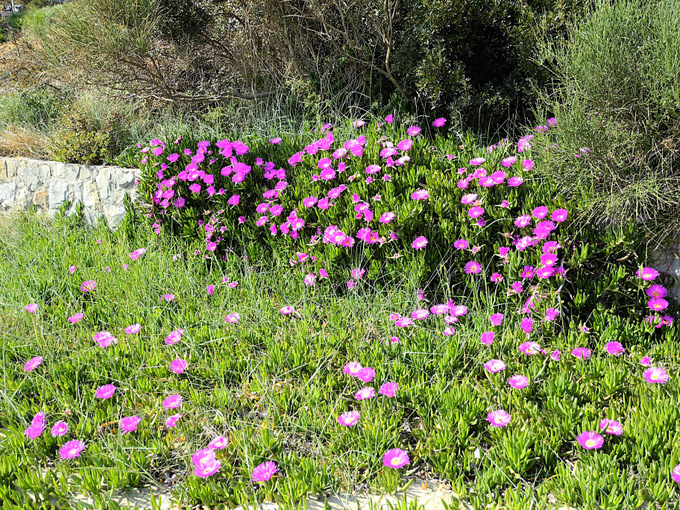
616,149
193,197
80,139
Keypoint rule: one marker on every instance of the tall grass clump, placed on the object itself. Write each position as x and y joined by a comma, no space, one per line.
616,147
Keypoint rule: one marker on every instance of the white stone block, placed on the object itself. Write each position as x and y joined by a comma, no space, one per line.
58,193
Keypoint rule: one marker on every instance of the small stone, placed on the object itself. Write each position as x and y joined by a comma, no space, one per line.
30,175
72,172
113,214
7,193
58,193
41,198
104,184
124,178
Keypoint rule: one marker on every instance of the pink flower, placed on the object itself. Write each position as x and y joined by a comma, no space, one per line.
656,375
129,423
232,285
395,458
349,419
473,267
366,374
476,212
611,427
387,217
358,273
205,463
72,269
134,329
88,286
477,161
581,353
555,356
458,310
174,337
509,161
646,361
496,277
530,348
590,440
168,297
394,339
494,365
551,314
76,318
420,314
499,418
218,443
365,393
614,348
420,194
71,449
657,304
647,273
419,243
389,389
264,472
413,131
287,310
232,318
105,392
178,366
559,215
352,368
104,339
33,363
439,122
518,382
172,402
658,291
461,244
488,337
403,322
513,182
496,319
137,253
527,325
32,308
59,429
172,420
468,199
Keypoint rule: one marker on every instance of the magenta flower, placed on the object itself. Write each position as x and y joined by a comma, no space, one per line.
494,365
420,314
590,440
365,393
395,458
555,356
232,318
32,308
469,198
530,348
518,382
387,217
72,269
366,374
611,427
264,472
551,314
646,361
210,289
675,474
71,449
439,122
33,363
513,182
172,420
509,161
352,368
403,322
476,212
413,131
134,329
656,375
496,319
35,429
460,244
496,277
76,318
499,418
389,389
657,291
614,348
137,253
439,309
358,273
559,215
174,337
458,310
205,463
168,297
473,267
647,273
59,429
218,443
420,194
88,286
105,392
581,353
488,337
104,339
178,366
129,423
287,310
172,402
657,304
527,325
349,419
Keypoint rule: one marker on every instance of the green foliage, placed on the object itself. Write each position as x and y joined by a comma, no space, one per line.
79,140
615,149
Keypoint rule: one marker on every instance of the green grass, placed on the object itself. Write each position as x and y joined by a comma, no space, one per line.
274,385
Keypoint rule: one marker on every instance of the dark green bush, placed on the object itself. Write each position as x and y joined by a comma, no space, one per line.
81,140
616,148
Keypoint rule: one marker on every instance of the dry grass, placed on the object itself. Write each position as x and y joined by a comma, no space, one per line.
20,141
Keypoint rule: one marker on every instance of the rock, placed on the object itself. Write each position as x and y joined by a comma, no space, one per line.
91,195
104,184
113,214
58,171
125,178
58,193
41,198
7,193
72,172
31,177
45,173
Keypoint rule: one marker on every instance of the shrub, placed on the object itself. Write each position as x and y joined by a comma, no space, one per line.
615,149
80,139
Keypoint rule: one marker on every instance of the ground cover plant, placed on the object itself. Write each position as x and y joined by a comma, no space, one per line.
475,335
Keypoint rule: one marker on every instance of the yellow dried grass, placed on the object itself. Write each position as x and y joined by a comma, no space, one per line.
19,141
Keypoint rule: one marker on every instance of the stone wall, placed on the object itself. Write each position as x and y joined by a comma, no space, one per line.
48,185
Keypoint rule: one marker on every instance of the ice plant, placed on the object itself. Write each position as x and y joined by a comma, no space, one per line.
287,310
205,463
172,420
499,418
133,329
396,458
488,337
59,429
264,471
32,308
105,392
172,402
33,363
518,381
419,243
581,353
218,443
389,389
647,273
611,427
590,440
473,267
76,318
656,375
496,319
71,449
530,348
178,366
174,337
129,423
232,318
168,297
494,365
675,474
104,339
366,374
614,348
349,419
365,393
